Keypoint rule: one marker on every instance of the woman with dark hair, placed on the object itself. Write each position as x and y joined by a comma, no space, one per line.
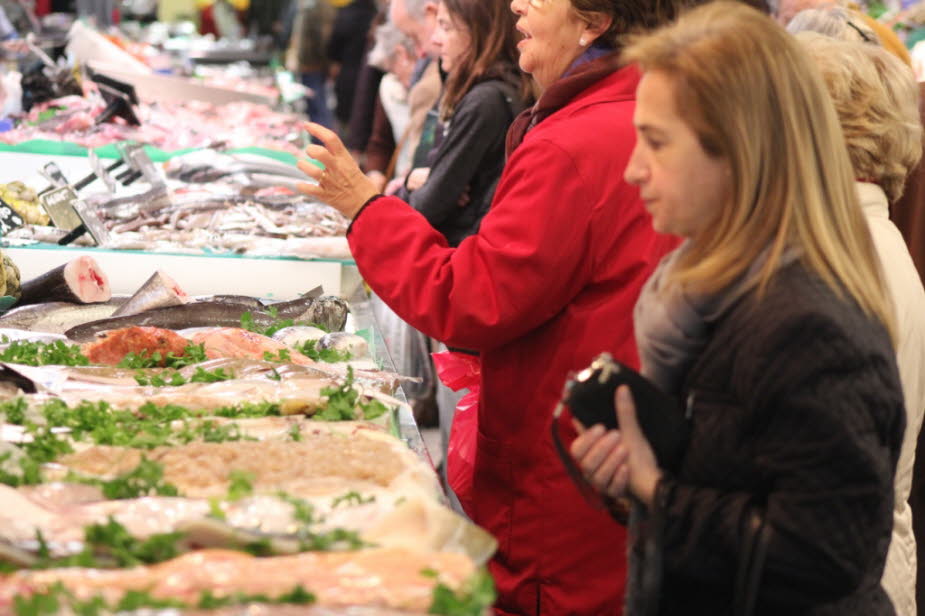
547,282
483,94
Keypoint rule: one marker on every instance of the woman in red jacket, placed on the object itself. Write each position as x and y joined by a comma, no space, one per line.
549,281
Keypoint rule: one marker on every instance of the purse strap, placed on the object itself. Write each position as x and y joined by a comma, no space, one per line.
751,563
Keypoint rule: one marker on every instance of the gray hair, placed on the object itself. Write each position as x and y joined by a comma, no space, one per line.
876,97
416,8
836,22
388,39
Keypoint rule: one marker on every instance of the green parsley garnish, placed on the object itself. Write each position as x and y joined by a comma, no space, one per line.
352,498
476,595
56,353
344,400
310,350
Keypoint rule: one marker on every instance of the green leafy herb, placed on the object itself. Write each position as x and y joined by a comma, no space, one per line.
284,356
56,353
202,375
249,409
344,400
352,498
302,510
175,379
138,599
192,354
476,595
115,545
59,599
215,509
310,541
295,432
240,485
309,349
144,480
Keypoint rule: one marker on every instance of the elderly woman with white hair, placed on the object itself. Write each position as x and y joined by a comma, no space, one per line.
876,98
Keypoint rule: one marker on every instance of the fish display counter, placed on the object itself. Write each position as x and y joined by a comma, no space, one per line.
215,233
215,453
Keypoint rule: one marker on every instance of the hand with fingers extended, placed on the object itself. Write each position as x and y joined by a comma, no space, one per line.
618,461
341,183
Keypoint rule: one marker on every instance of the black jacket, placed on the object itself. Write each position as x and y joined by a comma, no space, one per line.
798,411
468,160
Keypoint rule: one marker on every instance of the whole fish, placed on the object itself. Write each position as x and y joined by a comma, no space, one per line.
328,312
198,314
159,291
57,317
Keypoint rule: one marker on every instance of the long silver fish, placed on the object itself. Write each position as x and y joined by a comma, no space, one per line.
328,312
57,317
198,314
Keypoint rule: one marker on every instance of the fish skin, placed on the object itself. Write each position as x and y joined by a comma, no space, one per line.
56,317
342,341
295,306
329,312
158,291
245,300
297,335
198,314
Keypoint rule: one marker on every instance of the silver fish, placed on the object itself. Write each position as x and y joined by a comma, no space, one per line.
159,291
297,335
344,342
197,314
328,312
57,317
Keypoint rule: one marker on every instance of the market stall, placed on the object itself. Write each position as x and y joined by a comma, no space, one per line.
197,410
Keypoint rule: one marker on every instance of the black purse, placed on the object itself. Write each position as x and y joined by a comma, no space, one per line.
665,422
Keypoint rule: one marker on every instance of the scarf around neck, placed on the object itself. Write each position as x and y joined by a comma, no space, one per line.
673,326
593,65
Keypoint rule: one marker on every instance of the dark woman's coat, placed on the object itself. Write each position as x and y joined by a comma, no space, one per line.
466,167
797,410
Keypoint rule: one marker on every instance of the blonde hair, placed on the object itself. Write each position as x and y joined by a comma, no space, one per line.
876,98
752,96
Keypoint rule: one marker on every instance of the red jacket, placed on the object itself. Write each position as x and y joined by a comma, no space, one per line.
549,281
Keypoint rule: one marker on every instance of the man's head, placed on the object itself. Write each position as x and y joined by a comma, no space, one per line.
417,19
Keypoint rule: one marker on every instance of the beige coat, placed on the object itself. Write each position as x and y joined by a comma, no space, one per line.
909,299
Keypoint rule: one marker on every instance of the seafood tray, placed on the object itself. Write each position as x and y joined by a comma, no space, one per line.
267,488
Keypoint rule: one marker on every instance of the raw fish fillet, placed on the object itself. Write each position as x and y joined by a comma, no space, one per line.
114,345
388,578
237,342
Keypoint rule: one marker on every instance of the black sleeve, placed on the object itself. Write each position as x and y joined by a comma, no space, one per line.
826,440
480,120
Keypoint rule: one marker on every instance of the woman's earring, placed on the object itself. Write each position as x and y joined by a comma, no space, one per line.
582,41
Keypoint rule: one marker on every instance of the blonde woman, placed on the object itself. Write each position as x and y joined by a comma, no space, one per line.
876,97
772,322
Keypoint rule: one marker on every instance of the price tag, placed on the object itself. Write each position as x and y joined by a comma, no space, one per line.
142,162
97,166
53,174
59,203
9,219
92,222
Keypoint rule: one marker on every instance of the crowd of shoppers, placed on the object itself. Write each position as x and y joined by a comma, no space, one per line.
708,198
